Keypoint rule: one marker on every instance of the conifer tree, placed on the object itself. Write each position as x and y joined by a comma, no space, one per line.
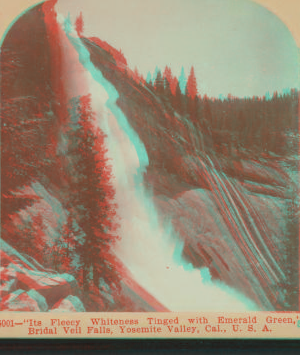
167,77
191,86
173,85
191,94
93,198
79,25
159,83
148,78
25,150
136,75
167,74
182,81
178,99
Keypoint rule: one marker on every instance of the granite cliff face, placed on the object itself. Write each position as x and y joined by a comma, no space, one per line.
233,214
230,214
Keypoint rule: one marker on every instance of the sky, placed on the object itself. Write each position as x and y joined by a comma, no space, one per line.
236,46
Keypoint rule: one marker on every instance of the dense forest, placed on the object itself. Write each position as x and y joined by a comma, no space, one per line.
231,125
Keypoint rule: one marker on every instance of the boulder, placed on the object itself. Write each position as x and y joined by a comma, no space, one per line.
28,288
69,304
8,281
41,301
20,301
51,286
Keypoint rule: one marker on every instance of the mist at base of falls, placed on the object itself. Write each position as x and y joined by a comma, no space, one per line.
150,250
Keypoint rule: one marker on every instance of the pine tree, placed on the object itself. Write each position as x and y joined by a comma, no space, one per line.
93,198
155,73
178,99
25,150
167,77
182,81
191,86
191,95
136,76
148,78
79,25
168,74
159,84
173,85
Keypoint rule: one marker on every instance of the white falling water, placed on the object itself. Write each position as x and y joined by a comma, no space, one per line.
147,248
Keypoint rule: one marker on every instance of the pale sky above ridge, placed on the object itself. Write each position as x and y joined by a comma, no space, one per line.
236,46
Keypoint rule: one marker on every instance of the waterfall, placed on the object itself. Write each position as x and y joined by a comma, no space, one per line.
150,250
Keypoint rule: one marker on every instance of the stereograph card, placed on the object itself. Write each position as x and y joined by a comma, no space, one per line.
149,169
